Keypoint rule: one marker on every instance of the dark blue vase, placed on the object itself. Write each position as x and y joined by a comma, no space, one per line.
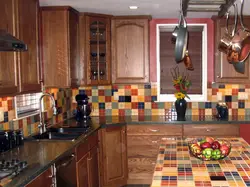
181,106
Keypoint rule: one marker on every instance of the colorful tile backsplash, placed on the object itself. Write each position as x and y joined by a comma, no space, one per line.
129,100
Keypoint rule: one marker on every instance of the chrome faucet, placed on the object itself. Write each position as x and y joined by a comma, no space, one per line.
42,126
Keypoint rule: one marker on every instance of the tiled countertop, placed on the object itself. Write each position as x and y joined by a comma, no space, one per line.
176,168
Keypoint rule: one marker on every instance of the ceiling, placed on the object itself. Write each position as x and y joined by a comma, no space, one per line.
156,8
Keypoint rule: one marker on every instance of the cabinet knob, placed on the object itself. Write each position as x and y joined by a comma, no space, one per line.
218,76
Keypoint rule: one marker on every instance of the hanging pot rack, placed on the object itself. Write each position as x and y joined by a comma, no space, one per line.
205,6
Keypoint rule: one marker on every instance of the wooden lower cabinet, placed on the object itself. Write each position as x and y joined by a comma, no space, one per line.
113,156
43,180
82,172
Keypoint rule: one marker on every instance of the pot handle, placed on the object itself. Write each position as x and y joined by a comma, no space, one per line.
241,17
235,20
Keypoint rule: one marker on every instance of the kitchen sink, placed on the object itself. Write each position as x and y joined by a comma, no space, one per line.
68,130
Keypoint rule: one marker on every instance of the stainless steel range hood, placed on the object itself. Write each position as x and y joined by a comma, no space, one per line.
11,43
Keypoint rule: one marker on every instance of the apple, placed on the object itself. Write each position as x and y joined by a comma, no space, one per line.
216,145
209,139
205,145
224,149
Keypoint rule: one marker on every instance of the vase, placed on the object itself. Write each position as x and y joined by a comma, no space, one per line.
181,106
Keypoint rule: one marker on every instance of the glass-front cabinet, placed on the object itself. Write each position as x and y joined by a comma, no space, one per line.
98,50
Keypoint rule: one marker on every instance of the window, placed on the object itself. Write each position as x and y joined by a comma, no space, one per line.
197,48
27,104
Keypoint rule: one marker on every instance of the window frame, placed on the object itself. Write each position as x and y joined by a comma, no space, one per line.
193,97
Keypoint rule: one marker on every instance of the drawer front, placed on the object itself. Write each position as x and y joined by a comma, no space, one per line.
81,150
211,130
146,140
170,130
148,151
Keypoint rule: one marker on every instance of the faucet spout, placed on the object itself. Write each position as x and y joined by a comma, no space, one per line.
42,126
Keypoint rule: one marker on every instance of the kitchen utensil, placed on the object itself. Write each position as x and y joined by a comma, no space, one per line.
187,61
208,148
83,108
226,41
241,41
181,40
239,66
222,110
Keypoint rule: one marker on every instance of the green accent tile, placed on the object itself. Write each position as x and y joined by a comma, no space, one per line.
189,112
147,92
214,85
108,92
161,105
147,112
94,87
242,86
201,105
128,112
234,98
108,112
94,99
1,126
114,105
214,105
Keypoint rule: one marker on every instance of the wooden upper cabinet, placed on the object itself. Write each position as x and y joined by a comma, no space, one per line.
59,32
225,72
130,50
28,12
95,54
113,154
8,60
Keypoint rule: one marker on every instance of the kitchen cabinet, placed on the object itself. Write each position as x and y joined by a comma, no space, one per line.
225,72
20,70
60,52
43,180
82,172
113,154
143,148
95,51
130,49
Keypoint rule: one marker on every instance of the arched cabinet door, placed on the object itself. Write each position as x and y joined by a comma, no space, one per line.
130,50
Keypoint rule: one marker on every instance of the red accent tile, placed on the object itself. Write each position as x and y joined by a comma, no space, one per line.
209,84
114,87
101,92
214,91
189,104
147,98
134,105
247,86
201,112
127,86
4,98
229,104
1,104
28,120
140,112
134,92
20,124
141,117
154,106
102,112
235,91
88,92
108,99
121,112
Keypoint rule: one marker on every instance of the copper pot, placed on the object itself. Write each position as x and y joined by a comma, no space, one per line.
187,61
239,50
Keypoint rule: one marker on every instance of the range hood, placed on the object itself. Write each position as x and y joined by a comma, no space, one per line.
11,43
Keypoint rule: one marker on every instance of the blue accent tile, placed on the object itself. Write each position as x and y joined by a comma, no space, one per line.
228,98
140,105
5,114
127,98
101,105
221,86
241,90
81,92
147,86
241,104
208,105
121,99
154,98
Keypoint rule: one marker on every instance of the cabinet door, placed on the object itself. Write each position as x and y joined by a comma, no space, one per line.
93,168
28,32
74,48
8,60
113,156
130,57
43,180
82,168
225,72
55,56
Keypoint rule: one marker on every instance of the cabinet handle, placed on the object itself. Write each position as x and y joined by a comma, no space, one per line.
89,159
153,141
67,162
218,76
154,130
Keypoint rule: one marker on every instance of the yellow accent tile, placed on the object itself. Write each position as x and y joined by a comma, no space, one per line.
140,98
168,105
228,91
94,92
11,115
134,86
147,105
214,98
236,86
121,105
195,105
121,92
153,91
195,112
108,105
161,112
134,112
115,112
107,87
208,112
222,91
228,86
241,112
141,92
154,111
101,99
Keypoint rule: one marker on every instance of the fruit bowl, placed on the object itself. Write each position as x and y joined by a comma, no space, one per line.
209,148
